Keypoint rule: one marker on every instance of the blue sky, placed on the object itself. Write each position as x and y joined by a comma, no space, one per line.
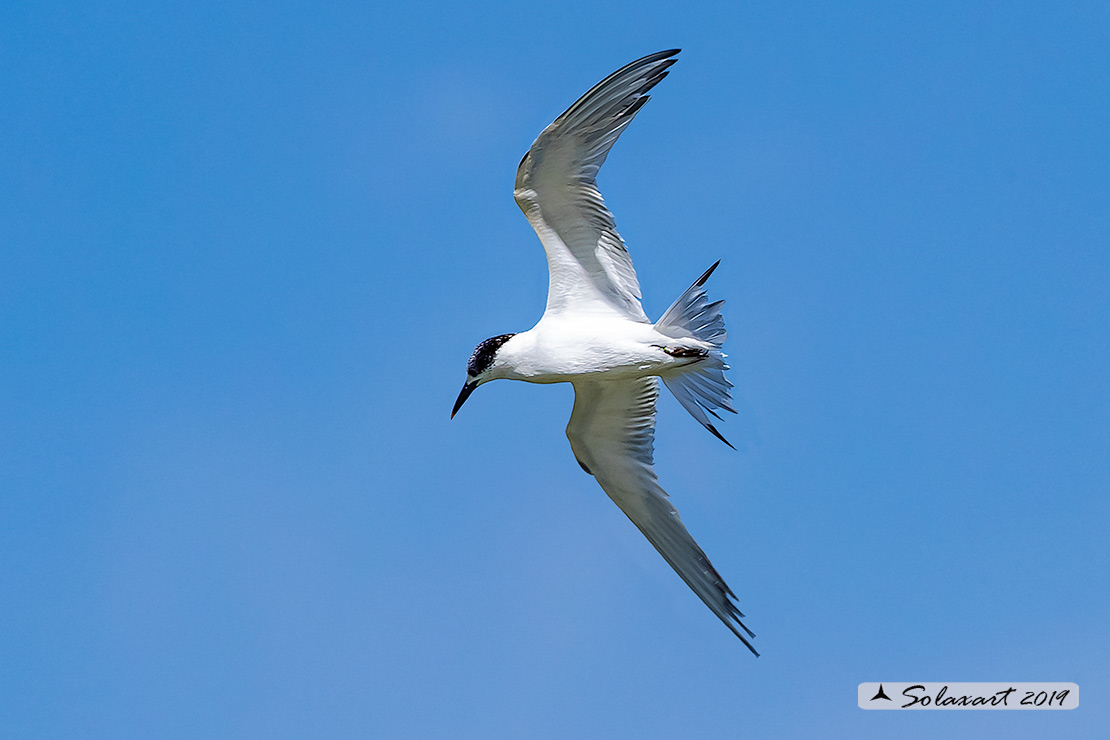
247,249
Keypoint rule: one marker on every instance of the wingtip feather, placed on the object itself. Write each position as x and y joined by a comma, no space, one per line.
717,434
705,276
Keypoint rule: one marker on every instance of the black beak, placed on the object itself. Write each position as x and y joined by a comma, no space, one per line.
463,395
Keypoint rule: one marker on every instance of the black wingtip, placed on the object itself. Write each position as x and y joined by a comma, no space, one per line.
717,434
705,275
660,58
743,639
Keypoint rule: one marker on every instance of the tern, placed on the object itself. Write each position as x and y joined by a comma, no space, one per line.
595,335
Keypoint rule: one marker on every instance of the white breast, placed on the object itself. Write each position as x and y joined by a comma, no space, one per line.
562,348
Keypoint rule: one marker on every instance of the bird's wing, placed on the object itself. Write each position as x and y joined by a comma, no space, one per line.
611,432
556,187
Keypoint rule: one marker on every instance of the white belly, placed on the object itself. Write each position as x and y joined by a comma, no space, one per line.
559,350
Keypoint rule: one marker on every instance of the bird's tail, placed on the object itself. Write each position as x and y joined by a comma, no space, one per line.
700,386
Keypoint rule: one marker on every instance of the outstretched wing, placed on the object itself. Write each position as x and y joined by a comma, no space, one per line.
556,187
611,431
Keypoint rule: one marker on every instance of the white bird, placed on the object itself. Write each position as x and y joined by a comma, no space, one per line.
594,333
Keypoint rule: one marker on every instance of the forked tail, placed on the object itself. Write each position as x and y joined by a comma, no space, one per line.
701,386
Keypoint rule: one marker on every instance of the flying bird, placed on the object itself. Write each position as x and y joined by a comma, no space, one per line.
595,335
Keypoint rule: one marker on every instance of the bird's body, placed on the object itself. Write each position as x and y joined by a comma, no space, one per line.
595,334
563,348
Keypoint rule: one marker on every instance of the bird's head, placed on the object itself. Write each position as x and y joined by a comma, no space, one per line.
484,365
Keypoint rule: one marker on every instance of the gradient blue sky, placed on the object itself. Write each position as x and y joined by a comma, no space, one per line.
248,247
